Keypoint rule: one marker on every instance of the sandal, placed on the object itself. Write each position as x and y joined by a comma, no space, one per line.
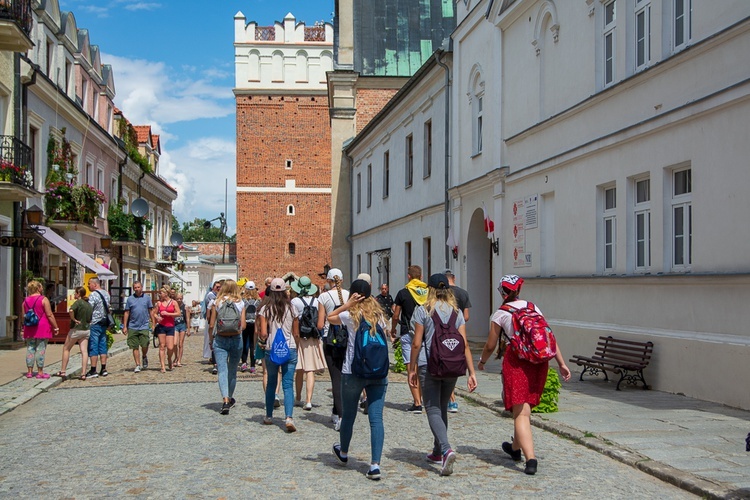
61,374
83,377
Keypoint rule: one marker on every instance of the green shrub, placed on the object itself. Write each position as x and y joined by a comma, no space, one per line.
551,394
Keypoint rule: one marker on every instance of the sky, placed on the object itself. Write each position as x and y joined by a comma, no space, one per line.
173,66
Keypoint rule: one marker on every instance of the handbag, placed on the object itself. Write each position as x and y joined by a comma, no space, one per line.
110,318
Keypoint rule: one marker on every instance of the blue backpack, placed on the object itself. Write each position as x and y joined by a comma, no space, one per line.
31,318
370,359
279,353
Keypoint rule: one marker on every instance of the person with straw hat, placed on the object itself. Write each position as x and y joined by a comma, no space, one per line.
310,355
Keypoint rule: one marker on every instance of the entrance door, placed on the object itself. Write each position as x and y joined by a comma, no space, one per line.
478,277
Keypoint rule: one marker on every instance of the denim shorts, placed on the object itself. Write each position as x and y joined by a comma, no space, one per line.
164,330
98,338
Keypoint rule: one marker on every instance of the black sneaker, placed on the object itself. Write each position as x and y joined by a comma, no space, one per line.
530,467
374,474
103,373
145,361
337,451
214,370
232,402
92,375
225,408
514,454
415,409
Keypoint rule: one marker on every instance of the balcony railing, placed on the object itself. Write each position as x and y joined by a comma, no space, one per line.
18,11
265,33
15,161
315,34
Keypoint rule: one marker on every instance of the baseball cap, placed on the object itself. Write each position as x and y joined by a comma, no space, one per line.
278,285
366,277
335,273
250,285
511,282
438,280
361,287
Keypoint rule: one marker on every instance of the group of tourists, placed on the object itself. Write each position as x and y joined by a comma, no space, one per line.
303,330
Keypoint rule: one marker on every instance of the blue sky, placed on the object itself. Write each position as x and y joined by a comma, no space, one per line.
173,64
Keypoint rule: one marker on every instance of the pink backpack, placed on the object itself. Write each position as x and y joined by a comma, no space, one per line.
532,338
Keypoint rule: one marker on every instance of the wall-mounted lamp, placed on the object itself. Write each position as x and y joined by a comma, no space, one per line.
69,176
106,242
34,215
496,246
454,251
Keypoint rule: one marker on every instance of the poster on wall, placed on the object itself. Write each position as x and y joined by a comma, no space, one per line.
524,217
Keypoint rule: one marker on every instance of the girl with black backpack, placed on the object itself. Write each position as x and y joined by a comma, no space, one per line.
438,376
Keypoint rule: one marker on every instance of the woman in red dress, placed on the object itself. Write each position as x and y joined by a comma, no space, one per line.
523,382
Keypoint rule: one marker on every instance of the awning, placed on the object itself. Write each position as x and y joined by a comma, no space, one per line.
159,271
177,276
73,252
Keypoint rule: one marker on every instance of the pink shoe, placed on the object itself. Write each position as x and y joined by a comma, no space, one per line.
29,375
42,375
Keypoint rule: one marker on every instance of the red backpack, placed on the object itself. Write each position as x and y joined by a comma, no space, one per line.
447,357
532,338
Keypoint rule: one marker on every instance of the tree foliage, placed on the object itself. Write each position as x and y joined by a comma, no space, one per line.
195,231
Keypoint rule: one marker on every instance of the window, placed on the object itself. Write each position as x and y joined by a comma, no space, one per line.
427,149
683,23
427,257
359,263
68,75
642,224
288,165
290,209
89,179
642,33
609,228
292,248
478,125
50,57
407,253
369,185
409,167
682,219
359,192
609,42
386,173
84,92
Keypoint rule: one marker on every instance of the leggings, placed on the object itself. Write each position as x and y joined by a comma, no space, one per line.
436,393
247,343
335,361
35,350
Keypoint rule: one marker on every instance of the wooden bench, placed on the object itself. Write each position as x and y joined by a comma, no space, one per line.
623,357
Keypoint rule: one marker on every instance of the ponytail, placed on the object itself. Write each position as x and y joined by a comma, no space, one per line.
337,283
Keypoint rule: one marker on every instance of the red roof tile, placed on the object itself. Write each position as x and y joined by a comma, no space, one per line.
143,132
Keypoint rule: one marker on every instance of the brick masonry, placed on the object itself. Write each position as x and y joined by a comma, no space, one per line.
271,131
369,104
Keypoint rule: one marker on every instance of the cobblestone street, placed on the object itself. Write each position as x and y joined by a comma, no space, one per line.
109,437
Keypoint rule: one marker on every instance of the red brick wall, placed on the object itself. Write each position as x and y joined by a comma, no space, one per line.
271,130
369,104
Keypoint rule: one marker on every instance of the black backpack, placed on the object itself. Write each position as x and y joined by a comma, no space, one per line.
308,321
447,357
370,360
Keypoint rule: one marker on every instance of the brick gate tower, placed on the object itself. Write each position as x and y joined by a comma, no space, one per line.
283,147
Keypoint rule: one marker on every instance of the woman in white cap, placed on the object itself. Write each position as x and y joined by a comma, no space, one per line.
252,303
330,299
310,356
523,382
278,329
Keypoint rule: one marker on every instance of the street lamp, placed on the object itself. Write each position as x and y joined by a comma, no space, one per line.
223,229
34,216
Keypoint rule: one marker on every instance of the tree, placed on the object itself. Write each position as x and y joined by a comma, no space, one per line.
197,231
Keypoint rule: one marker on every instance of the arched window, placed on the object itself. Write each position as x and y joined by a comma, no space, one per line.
292,248
290,210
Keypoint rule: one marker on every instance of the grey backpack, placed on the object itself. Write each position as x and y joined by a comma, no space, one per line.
228,318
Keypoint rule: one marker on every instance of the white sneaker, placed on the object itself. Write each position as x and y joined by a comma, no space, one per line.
337,425
137,369
308,406
334,418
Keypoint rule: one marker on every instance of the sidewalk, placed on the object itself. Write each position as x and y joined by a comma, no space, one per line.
693,444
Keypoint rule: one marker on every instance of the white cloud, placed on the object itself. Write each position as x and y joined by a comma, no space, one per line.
198,171
143,6
150,92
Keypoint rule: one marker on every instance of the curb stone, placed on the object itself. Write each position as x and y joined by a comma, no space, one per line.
684,480
45,385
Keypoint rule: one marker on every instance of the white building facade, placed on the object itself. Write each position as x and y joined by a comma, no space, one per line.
579,127
398,182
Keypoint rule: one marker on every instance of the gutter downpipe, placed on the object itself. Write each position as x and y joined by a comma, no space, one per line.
350,160
439,54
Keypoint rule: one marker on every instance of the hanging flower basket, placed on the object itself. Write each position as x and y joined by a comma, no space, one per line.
64,201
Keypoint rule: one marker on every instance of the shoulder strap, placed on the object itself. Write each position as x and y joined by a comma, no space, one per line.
303,301
530,305
104,301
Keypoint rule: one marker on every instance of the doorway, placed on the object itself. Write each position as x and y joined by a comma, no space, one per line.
478,277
